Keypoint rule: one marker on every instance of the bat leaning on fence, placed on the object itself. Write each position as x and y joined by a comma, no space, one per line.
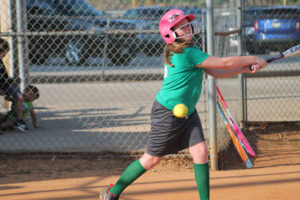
229,121
234,125
235,140
295,50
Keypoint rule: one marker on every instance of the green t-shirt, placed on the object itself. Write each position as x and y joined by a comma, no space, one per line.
27,106
183,82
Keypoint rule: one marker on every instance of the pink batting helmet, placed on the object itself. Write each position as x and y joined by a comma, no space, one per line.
169,20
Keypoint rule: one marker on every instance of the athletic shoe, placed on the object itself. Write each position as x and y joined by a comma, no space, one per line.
21,126
107,195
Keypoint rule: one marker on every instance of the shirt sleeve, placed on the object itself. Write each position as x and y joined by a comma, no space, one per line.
196,55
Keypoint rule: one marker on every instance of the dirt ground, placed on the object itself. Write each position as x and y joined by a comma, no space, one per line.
275,175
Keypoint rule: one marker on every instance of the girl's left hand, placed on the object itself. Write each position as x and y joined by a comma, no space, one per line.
253,68
260,64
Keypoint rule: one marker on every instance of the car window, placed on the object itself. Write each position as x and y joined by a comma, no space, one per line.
40,8
39,11
252,14
77,8
153,14
196,11
280,13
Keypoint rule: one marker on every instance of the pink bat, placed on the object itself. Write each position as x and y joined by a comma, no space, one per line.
235,127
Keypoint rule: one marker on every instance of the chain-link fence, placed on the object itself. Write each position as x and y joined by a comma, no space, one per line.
98,66
97,69
274,96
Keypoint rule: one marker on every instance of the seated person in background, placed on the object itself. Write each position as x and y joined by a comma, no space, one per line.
8,120
9,86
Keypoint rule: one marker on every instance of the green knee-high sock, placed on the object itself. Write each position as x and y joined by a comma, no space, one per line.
133,171
202,179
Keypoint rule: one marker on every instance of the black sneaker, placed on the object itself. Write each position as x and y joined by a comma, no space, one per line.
107,195
21,126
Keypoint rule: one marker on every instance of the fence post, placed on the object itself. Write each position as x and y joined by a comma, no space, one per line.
240,22
211,89
11,39
21,41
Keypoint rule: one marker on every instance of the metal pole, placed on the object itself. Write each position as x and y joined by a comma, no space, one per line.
211,89
20,39
11,43
203,33
240,22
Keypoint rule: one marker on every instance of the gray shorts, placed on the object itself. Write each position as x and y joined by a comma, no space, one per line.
170,134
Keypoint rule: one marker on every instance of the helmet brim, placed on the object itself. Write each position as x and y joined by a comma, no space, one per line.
190,17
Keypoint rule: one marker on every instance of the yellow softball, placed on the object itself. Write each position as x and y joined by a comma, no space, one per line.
180,110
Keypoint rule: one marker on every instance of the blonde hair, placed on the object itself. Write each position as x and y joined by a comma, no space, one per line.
175,47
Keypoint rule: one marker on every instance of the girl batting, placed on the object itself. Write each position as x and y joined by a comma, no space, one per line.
185,65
